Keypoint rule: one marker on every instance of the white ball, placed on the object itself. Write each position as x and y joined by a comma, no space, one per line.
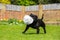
27,19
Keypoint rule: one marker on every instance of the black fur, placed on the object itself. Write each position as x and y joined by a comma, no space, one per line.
36,24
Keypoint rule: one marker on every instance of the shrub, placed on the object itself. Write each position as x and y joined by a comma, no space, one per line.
14,21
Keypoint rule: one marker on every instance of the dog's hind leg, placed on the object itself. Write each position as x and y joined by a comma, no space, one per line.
27,27
44,29
37,30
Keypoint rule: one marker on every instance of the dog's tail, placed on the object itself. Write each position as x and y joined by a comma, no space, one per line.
42,16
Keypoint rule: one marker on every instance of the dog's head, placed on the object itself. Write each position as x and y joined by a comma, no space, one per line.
34,17
29,19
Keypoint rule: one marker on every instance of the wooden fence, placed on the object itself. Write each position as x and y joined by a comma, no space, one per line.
51,12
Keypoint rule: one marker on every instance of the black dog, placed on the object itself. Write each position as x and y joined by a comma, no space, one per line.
36,24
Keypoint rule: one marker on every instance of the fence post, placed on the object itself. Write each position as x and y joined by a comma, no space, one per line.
40,11
23,12
3,12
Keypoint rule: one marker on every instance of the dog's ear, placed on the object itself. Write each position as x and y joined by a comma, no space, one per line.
31,14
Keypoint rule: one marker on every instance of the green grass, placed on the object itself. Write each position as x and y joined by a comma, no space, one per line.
14,32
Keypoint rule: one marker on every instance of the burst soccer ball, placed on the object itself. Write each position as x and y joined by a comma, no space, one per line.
28,19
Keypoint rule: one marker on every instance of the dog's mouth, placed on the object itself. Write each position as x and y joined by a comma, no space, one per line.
28,20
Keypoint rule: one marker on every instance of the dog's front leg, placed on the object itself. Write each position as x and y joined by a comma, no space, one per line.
27,27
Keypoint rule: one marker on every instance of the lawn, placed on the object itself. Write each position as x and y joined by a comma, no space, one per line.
14,32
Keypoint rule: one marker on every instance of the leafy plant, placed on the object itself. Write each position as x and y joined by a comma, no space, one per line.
14,21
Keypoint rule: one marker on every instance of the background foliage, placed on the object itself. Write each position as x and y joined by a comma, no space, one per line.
29,2
5,1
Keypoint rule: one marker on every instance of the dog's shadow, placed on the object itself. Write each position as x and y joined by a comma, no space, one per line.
32,33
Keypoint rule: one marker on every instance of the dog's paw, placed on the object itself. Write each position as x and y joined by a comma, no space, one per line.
23,32
37,33
45,33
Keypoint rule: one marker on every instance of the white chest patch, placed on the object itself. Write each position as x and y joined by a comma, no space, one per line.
27,19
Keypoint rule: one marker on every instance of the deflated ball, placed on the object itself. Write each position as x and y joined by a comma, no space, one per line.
27,19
